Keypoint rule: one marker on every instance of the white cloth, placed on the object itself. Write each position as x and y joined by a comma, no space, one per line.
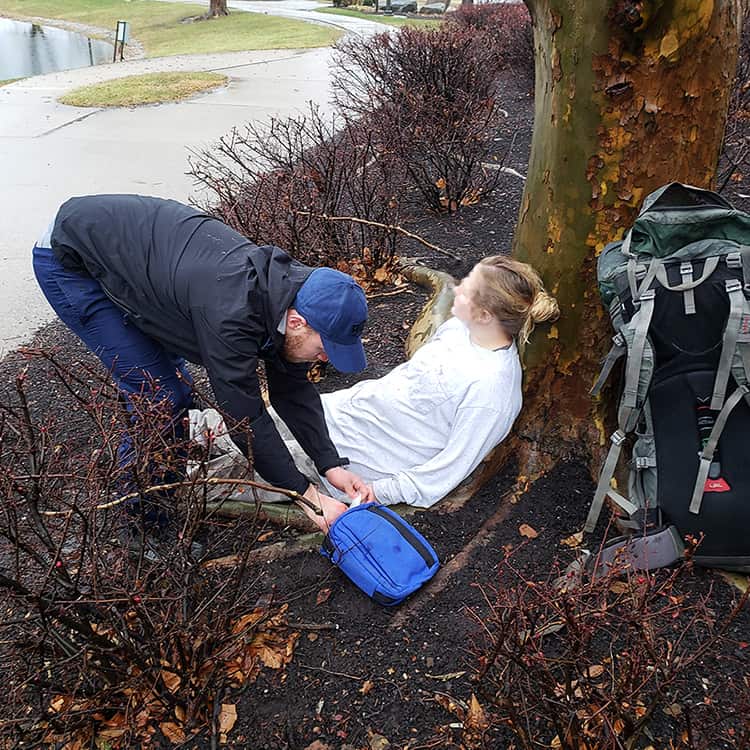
420,430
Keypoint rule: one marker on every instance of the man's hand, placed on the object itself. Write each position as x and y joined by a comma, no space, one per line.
350,483
330,509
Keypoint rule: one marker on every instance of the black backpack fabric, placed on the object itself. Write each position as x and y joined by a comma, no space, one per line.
677,289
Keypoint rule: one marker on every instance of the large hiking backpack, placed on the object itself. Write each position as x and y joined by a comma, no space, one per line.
677,289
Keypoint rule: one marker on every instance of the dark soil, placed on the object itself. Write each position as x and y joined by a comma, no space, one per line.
363,683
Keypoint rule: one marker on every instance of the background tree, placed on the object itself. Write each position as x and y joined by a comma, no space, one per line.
218,8
629,95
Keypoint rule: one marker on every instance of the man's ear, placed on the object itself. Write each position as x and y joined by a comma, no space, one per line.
294,320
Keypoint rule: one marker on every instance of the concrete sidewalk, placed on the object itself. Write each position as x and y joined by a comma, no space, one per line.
49,151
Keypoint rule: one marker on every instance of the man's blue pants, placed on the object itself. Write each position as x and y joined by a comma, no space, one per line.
139,364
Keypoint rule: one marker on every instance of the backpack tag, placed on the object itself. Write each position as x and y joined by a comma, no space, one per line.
380,552
744,333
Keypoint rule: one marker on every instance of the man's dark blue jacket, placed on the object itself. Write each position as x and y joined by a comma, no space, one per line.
209,295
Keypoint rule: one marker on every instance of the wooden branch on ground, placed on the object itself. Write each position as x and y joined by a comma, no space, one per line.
268,554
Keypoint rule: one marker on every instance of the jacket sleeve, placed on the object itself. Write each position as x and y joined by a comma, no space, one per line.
475,432
298,404
231,363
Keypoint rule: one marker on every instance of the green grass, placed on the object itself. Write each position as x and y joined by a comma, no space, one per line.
151,88
10,80
379,18
158,26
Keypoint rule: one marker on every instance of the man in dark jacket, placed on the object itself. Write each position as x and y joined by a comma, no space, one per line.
147,283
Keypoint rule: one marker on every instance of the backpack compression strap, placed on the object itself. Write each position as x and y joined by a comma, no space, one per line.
630,407
707,454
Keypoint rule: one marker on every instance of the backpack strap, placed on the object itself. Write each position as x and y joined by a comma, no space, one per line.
630,404
686,272
619,348
642,322
731,335
707,454
603,488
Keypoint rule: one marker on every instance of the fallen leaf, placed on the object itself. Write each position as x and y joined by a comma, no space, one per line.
440,183
594,671
266,536
58,702
378,742
674,709
323,596
174,733
446,677
318,745
475,718
525,530
574,540
171,680
367,686
227,719
381,274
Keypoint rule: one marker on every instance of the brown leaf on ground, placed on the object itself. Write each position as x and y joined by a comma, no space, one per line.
367,686
323,596
171,680
274,650
450,705
528,531
594,671
227,719
174,733
574,540
378,742
475,717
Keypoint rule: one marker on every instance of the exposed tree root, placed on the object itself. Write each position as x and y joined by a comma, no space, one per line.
441,580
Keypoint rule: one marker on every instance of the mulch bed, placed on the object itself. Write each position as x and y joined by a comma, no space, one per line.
356,680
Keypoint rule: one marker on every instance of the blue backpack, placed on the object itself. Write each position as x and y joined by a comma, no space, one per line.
381,553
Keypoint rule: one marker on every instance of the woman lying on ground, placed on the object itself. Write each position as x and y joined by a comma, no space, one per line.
419,431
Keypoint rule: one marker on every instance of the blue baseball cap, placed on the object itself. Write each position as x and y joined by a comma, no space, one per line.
334,305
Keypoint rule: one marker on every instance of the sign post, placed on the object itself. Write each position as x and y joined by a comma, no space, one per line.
122,36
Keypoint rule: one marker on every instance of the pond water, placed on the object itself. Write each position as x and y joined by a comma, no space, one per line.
27,49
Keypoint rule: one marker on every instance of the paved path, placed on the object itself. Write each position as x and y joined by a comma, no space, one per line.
49,151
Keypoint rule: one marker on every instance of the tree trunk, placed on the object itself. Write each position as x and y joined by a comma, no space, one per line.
629,95
218,8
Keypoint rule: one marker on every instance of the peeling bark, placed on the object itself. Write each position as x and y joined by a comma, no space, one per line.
629,95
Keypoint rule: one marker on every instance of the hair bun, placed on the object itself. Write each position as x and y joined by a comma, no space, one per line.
544,308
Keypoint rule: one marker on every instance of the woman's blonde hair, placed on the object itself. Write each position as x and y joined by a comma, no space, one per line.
514,294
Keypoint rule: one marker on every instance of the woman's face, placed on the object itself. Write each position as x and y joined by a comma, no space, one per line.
465,293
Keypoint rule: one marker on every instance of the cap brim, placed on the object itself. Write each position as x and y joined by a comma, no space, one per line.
345,357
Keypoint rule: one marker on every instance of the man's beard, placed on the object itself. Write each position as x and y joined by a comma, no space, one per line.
293,343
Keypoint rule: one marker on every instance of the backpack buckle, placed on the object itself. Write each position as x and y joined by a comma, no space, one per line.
732,285
618,437
733,260
686,268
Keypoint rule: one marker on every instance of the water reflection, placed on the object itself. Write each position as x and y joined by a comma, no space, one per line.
27,49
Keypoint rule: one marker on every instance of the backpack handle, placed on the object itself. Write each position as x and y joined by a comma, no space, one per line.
708,268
